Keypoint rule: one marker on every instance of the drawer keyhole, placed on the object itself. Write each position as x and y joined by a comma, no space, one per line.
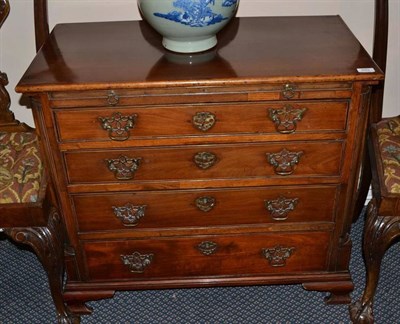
205,204
207,247
205,160
204,120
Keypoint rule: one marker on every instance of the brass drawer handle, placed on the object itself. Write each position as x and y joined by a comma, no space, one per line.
204,120
286,118
118,126
281,207
112,98
284,162
124,168
277,255
205,204
207,247
289,90
204,160
129,214
137,262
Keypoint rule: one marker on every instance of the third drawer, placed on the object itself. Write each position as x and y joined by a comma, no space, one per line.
200,208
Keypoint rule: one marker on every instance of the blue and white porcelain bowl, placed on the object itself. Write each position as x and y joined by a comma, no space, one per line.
188,26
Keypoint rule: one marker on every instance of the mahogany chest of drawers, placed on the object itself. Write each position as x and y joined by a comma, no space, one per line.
235,166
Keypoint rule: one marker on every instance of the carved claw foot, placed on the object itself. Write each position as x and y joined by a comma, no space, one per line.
48,244
380,233
361,314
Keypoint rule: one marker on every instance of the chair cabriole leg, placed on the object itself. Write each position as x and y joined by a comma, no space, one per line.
380,233
47,242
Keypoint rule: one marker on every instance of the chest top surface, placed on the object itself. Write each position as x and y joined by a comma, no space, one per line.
104,55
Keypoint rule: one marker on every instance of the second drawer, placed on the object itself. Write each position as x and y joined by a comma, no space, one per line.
199,208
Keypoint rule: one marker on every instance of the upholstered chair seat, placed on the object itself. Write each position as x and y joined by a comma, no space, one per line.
21,169
388,133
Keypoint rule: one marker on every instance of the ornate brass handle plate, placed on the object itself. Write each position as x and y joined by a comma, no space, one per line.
207,247
284,162
286,118
204,160
205,204
277,255
281,207
289,90
204,120
129,214
124,168
137,262
118,126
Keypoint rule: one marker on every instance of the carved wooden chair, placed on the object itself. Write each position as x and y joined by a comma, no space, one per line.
27,214
382,226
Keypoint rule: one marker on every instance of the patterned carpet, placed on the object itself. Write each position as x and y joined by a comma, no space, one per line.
24,298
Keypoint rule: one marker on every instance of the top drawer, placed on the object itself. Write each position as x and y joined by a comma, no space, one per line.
130,123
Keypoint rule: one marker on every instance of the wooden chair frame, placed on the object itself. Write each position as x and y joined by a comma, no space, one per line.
382,226
36,224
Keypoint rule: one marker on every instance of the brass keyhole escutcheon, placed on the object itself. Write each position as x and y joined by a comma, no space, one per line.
205,204
207,247
204,160
204,120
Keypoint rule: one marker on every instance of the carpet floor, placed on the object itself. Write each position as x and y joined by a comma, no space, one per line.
25,298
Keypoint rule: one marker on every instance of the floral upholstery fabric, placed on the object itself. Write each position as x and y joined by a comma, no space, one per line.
388,131
20,168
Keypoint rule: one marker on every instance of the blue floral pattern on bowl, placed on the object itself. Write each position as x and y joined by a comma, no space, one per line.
229,3
188,26
195,13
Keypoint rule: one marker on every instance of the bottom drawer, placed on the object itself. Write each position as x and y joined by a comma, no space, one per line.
211,255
